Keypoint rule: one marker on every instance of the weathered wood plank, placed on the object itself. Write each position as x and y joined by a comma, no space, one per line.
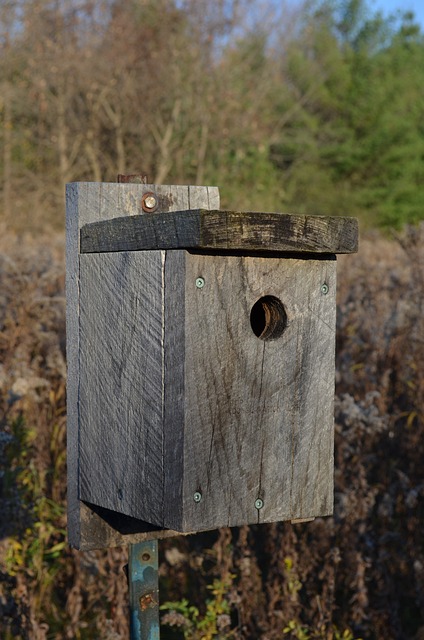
72,357
223,230
174,386
121,388
101,529
88,526
259,413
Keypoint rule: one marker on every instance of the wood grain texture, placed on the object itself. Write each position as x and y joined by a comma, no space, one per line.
225,230
86,203
72,357
100,531
121,385
170,391
258,413
174,387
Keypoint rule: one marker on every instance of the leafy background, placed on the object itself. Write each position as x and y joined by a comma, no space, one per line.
308,107
314,107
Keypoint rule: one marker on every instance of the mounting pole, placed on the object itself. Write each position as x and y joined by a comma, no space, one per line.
144,590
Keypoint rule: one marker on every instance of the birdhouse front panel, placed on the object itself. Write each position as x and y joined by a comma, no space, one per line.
256,405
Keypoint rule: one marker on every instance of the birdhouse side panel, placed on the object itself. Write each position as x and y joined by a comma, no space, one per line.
121,384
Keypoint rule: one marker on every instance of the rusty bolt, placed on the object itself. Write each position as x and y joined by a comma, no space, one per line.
147,601
149,202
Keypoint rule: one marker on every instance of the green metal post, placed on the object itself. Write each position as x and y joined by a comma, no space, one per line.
144,590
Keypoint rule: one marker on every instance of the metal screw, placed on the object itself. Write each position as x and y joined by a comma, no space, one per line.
259,503
197,496
324,288
200,283
149,202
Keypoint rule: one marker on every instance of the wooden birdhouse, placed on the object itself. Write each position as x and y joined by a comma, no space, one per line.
200,362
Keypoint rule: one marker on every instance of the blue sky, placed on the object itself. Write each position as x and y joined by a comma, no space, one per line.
392,6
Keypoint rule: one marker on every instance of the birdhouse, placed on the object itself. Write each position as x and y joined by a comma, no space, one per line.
200,362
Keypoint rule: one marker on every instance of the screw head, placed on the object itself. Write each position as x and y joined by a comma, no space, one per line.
200,283
259,503
149,202
325,288
197,496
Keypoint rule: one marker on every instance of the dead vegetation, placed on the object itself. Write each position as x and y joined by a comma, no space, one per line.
359,574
